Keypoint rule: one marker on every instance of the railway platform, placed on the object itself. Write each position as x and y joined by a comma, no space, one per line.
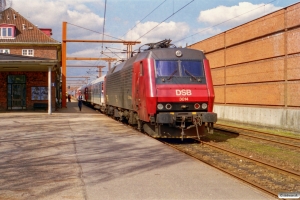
87,155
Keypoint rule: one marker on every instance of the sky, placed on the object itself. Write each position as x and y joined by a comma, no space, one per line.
185,22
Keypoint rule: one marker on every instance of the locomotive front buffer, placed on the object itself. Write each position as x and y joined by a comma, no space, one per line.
184,121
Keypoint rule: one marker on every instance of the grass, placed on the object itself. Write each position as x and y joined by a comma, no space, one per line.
274,131
257,149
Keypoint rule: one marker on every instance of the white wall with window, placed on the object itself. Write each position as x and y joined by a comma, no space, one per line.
5,51
27,52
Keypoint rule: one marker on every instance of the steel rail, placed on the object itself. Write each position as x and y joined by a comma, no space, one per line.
252,136
260,132
273,193
252,159
267,191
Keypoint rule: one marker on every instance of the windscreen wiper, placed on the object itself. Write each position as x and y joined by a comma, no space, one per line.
188,73
171,76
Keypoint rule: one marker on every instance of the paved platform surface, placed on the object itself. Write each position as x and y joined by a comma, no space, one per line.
86,155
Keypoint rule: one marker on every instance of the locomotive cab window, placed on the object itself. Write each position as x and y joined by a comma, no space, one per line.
179,71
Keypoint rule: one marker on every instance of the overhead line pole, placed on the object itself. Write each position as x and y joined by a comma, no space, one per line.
64,56
64,65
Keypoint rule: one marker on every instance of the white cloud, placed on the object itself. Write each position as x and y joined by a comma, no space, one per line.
57,11
166,30
235,15
51,14
85,53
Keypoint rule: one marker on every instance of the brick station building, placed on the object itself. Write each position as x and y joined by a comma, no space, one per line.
30,64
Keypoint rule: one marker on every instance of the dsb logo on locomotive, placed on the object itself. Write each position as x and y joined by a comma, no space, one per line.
183,92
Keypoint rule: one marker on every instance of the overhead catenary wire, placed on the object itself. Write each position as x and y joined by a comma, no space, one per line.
141,20
111,57
103,31
112,52
105,55
117,49
96,32
145,17
165,19
224,22
103,24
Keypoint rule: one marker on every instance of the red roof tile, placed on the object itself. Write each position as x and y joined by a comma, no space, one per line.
31,34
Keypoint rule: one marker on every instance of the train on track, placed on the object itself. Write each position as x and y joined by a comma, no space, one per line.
164,91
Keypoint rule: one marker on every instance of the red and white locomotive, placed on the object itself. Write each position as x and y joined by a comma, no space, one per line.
165,91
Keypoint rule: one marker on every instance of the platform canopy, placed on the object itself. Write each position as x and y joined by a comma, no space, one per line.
11,62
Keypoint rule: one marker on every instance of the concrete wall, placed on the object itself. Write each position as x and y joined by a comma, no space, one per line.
256,70
279,118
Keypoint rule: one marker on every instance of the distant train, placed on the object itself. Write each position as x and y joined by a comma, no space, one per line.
164,91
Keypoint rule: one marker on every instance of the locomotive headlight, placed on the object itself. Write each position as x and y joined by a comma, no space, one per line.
204,105
197,106
160,106
168,106
178,53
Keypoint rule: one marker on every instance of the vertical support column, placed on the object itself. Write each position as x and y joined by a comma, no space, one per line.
127,48
225,67
64,65
49,90
285,92
109,65
100,71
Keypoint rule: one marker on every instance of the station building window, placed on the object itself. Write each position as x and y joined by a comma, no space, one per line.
27,52
6,32
5,51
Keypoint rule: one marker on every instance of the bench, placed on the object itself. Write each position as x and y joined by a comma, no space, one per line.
40,106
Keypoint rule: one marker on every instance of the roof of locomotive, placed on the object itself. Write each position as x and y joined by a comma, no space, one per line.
100,79
170,54
160,54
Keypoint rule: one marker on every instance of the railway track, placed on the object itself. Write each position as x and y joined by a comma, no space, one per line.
261,175
278,139
288,172
252,171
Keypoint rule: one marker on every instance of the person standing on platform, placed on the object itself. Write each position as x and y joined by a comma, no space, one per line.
80,98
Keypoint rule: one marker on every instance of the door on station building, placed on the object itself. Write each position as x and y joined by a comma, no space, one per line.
16,92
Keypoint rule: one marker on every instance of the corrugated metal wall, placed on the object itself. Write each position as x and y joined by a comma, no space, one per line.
119,88
258,63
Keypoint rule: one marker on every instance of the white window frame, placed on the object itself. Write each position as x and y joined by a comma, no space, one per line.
27,52
5,30
5,51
